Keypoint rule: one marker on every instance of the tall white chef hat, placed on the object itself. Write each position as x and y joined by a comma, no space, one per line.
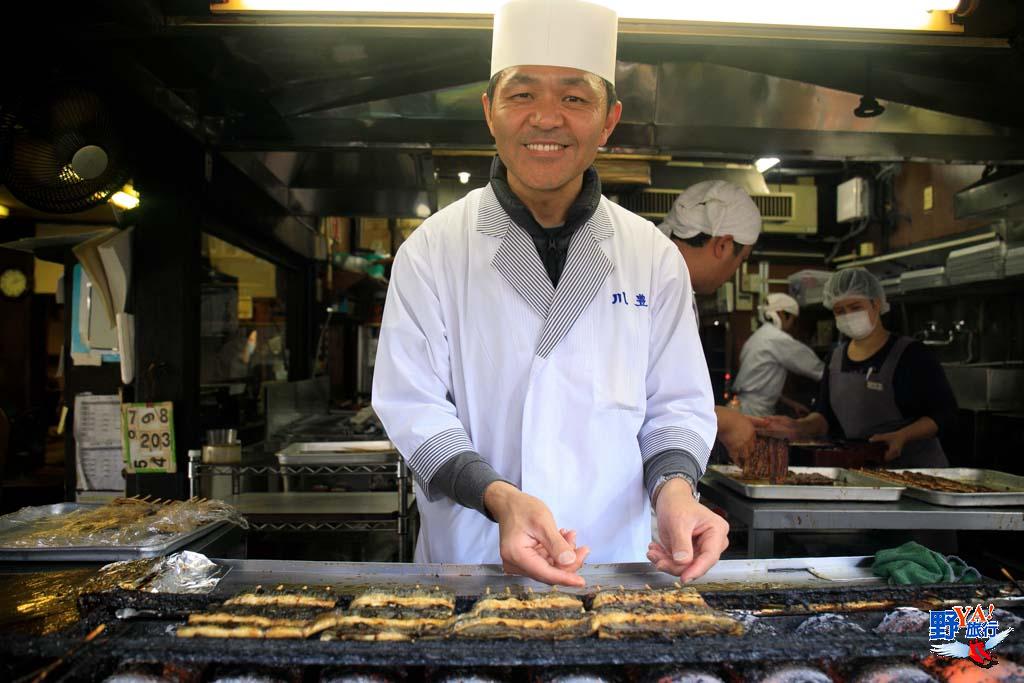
569,33
714,207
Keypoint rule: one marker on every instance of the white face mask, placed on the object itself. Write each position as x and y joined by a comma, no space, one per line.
856,325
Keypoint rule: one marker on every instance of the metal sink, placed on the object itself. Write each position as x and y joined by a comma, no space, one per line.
987,387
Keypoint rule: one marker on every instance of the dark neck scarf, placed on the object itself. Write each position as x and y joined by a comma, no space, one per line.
552,243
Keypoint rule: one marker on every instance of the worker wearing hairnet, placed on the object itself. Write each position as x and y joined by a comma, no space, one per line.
715,224
879,386
770,354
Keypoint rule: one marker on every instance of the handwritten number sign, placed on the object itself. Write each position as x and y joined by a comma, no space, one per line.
148,431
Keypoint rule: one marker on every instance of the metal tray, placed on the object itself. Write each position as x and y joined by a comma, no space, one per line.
338,453
850,488
990,478
93,553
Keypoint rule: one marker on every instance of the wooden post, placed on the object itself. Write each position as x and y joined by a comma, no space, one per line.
166,303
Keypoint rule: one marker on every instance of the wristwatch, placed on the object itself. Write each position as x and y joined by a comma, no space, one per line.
663,479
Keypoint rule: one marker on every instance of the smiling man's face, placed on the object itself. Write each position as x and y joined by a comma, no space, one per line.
548,123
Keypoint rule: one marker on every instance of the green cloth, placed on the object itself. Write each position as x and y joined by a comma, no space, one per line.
912,563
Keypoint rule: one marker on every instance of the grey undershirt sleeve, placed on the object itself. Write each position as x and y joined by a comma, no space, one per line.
672,461
464,479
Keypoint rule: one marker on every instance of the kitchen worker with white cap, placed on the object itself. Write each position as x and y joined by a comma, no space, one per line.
715,224
879,386
529,363
770,354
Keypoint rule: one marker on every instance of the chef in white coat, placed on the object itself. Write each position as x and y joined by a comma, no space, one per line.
770,354
538,363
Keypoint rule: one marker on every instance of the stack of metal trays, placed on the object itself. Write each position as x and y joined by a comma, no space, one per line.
847,486
1015,261
338,453
977,263
924,278
891,286
1009,488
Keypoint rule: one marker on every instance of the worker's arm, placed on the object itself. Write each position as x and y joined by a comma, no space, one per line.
799,409
736,432
920,429
798,358
783,427
680,417
412,373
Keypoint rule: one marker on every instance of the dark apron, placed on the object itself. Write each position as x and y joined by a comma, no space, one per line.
866,405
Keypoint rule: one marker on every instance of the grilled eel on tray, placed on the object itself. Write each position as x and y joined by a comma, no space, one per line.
284,612
407,613
390,614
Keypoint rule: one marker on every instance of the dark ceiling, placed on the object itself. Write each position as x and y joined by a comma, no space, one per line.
329,114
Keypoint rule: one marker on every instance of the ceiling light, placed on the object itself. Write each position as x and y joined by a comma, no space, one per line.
4,211
127,198
463,177
422,210
764,163
916,15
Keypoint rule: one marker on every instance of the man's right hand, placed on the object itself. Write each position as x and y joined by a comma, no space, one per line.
531,542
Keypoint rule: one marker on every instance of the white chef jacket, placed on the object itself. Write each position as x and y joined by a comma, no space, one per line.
566,392
764,360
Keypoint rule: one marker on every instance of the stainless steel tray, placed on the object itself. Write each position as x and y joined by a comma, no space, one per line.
990,478
92,553
849,486
338,453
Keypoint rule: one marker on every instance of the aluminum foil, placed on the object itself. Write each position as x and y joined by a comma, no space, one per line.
186,572
183,572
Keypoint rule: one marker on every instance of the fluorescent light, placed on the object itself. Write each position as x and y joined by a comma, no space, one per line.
764,163
870,14
463,177
126,198
4,211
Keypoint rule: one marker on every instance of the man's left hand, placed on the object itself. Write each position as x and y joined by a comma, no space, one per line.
693,537
894,441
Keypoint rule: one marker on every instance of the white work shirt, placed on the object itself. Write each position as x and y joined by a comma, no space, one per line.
764,360
566,392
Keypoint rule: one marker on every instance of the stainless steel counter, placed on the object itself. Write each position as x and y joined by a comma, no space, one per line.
800,572
764,518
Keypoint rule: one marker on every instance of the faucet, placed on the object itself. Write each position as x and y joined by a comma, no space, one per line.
932,330
931,335
960,327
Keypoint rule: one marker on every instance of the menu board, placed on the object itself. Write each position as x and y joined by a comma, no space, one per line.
148,433
99,461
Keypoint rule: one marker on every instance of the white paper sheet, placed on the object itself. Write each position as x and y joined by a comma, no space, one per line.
98,450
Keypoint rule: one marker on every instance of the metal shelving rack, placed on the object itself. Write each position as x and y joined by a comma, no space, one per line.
317,521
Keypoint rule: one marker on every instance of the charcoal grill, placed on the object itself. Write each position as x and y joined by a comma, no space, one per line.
787,590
